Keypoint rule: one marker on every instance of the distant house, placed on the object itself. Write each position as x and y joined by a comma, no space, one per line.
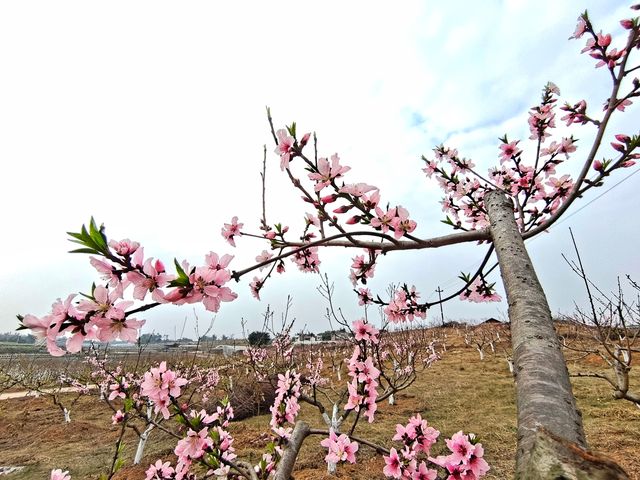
230,350
339,335
307,337
491,321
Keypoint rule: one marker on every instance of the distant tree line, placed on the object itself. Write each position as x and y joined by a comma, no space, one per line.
13,337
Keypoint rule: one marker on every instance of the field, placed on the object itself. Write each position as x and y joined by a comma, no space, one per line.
459,392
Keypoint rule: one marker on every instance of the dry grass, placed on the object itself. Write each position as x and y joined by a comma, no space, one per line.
457,393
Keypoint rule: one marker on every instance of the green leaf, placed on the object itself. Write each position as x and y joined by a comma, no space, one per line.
179,282
179,268
95,241
180,420
86,250
183,278
465,277
76,235
86,296
97,235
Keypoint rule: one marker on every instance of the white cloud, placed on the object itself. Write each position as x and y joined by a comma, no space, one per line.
150,116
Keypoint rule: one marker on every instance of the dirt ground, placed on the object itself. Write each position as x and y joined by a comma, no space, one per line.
458,393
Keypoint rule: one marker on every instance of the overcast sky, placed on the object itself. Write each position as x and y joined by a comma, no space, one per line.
150,117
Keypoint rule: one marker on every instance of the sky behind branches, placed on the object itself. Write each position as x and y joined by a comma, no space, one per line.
150,116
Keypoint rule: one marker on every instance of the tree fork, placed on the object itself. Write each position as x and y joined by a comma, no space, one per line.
551,440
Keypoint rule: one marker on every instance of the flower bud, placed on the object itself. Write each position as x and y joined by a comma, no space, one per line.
617,146
597,166
343,209
627,23
329,198
353,220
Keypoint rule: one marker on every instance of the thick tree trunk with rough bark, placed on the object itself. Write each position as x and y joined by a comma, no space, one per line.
551,441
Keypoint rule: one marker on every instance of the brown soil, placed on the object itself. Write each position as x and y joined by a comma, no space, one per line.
457,393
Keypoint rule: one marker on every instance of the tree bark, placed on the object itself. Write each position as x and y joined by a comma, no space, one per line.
288,460
544,396
142,442
556,459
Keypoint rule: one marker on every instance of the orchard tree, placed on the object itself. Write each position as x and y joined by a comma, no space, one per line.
521,197
380,363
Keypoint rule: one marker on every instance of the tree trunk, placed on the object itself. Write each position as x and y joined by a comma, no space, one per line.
334,424
288,461
142,442
544,396
557,459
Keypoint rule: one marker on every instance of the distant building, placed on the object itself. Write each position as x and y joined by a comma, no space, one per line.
491,321
306,337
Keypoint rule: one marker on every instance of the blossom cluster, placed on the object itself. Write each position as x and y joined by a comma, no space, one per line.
325,174
537,191
465,459
315,378
404,306
284,410
160,386
413,459
362,389
104,315
362,269
100,317
364,331
206,435
341,448
285,407
480,291
598,44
